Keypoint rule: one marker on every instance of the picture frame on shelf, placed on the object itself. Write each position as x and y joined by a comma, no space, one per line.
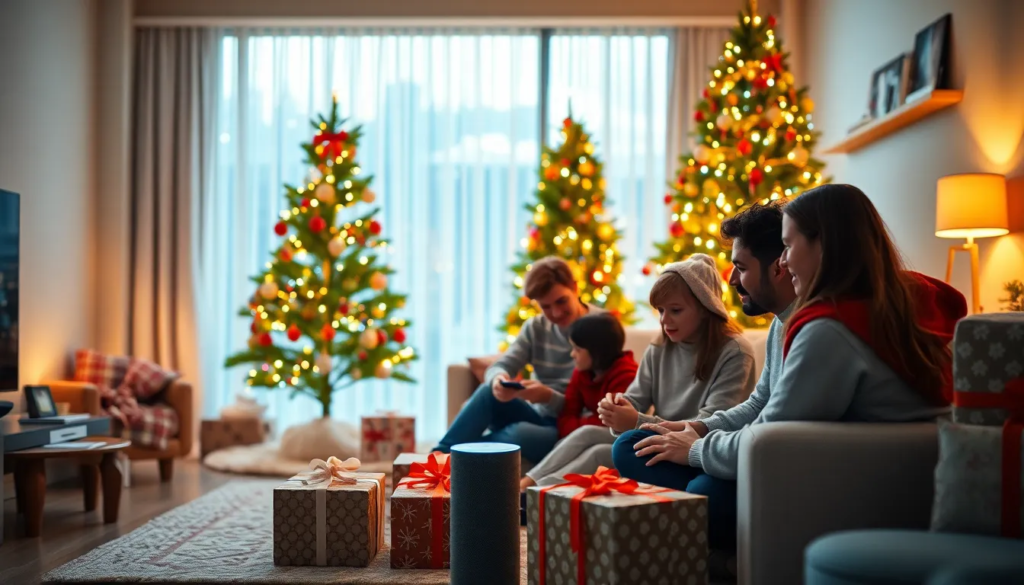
888,87
39,402
929,68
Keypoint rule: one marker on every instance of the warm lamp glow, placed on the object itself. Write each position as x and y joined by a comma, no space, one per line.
971,206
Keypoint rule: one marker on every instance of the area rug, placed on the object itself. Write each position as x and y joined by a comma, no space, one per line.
225,536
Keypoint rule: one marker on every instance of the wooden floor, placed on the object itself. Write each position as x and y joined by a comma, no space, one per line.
69,532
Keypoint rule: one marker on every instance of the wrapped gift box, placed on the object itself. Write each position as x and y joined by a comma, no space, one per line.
403,465
223,433
329,523
385,436
988,364
652,536
421,516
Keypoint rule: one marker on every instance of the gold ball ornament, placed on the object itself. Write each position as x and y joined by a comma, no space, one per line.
368,195
807,104
269,290
702,153
324,362
383,370
369,338
605,231
586,168
691,189
325,193
711,189
379,281
731,99
724,121
377,312
798,156
336,246
540,218
774,115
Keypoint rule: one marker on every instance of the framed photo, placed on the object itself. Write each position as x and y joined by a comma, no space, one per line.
39,401
888,87
929,69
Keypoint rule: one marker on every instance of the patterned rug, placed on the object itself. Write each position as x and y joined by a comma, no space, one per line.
225,536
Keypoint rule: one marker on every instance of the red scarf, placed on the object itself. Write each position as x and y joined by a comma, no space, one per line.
937,305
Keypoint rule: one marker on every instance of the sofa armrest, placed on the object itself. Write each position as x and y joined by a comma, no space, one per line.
179,397
461,384
84,397
800,480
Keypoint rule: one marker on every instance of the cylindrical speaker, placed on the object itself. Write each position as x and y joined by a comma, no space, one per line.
485,514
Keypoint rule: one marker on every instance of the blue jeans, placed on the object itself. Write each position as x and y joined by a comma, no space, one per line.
514,422
721,493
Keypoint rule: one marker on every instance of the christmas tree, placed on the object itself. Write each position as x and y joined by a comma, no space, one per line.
754,138
568,222
322,310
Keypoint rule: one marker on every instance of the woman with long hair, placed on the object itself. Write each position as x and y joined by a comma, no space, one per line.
867,341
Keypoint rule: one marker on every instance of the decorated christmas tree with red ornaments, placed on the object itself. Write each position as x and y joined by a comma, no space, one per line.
754,137
569,222
322,315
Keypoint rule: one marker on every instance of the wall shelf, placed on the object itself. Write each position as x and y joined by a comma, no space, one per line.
903,116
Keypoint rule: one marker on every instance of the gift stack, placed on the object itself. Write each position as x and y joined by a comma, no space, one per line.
331,516
978,485
386,435
240,423
420,515
601,528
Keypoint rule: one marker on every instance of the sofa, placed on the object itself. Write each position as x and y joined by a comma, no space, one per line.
85,397
801,480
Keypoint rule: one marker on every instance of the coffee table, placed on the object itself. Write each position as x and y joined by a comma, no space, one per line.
98,464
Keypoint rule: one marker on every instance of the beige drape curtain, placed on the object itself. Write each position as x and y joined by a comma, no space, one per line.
694,50
172,137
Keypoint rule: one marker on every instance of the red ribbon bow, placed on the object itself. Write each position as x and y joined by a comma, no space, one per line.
374,436
434,475
333,142
604,482
1012,400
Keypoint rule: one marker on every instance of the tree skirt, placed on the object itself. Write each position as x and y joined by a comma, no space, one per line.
225,536
266,459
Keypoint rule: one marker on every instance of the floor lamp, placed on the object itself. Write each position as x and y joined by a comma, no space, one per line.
970,206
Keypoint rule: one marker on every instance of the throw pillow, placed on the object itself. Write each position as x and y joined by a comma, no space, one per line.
147,379
100,369
968,480
479,365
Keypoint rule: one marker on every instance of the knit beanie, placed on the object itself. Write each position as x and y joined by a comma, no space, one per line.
701,275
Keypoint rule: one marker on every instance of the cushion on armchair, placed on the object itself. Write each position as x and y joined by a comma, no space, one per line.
100,369
147,379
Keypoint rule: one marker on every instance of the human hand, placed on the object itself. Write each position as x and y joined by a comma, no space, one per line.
500,392
535,392
667,445
617,413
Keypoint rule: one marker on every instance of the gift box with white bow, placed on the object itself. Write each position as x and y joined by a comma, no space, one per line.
329,516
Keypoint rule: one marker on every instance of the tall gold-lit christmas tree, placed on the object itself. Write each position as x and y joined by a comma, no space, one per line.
754,137
569,222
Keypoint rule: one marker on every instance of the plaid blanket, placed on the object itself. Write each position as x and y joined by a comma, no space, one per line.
144,425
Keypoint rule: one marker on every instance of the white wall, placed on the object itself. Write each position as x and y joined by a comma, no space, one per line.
845,41
47,115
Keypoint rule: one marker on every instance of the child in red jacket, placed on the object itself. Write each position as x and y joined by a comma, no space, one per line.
602,367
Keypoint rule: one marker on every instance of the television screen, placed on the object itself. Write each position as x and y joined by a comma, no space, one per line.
10,231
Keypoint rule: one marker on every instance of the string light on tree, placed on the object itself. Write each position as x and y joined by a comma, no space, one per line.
754,136
325,281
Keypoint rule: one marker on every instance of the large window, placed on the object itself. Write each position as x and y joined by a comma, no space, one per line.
452,127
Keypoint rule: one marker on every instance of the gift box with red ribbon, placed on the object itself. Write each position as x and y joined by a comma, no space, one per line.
602,528
403,465
421,514
988,390
386,435
330,516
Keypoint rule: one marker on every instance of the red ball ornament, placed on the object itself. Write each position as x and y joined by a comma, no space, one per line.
382,337
305,202
280,228
698,116
565,204
756,176
676,229
375,227
266,340
566,162
771,21
790,134
343,308
761,82
343,135
362,356
744,147
567,122
706,93
293,333
668,199
286,255
727,273
713,106
317,224
327,333
361,239
399,335
646,270
253,327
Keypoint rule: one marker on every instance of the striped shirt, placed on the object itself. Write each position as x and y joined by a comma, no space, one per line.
545,346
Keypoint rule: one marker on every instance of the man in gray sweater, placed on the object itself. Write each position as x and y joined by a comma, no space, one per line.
526,416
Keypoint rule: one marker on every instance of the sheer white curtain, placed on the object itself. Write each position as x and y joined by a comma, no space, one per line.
618,84
451,136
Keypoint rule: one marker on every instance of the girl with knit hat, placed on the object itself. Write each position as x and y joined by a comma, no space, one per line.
698,365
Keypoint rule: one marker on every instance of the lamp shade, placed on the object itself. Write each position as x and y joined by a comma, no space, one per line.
971,206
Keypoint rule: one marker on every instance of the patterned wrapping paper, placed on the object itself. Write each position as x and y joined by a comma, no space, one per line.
385,436
223,433
413,537
350,529
988,355
403,465
627,538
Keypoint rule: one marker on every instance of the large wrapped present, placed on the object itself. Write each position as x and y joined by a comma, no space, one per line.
602,528
421,516
386,435
216,434
988,389
331,516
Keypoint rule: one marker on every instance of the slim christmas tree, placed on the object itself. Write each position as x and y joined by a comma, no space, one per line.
568,222
754,138
322,312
